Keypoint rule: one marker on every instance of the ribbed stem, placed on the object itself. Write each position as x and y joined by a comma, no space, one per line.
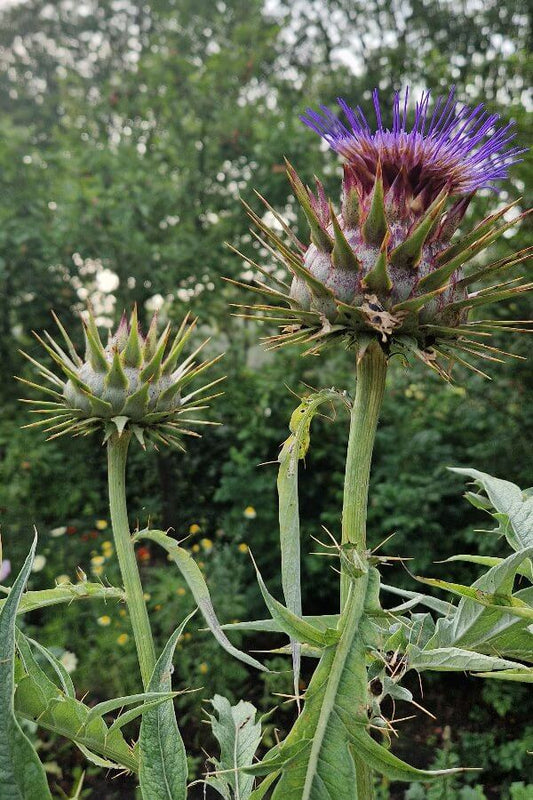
117,450
369,390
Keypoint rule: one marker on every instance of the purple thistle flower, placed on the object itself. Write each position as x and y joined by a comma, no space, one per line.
460,149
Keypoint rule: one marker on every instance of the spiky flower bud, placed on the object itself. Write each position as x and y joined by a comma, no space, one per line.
385,265
135,382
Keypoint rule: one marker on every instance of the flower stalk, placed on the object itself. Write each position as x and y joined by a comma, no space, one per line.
371,372
117,450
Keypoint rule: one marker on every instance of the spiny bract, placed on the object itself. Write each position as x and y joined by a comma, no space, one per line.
386,267
131,383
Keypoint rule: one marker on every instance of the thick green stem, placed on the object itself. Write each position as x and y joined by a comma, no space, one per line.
370,387
117,450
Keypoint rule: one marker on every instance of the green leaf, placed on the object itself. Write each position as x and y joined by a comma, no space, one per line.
238,735
447,659
272,626
523,675
22,776
162,756
195,580
66,593
526,569
475,624
384,762
107,706
509,501
57,666
500,601
295,627
39,699
335,706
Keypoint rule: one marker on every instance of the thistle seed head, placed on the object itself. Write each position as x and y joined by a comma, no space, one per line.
135,382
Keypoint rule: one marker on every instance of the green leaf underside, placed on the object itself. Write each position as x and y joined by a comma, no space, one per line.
238,735
22,776
196,582
162,756
508,500
523,675
448,659
477,624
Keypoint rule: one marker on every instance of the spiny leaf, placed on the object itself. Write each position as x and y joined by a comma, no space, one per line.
21,772
162,757
196,582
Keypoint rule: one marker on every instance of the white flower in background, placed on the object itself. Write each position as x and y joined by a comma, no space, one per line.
250,512
5,569
61,579
58,531
38,563
69,661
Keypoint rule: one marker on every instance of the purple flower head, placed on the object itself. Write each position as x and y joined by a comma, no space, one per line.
459,148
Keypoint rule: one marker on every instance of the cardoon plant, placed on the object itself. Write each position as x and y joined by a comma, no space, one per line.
382,275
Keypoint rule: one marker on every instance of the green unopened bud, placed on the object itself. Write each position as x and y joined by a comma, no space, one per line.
130,384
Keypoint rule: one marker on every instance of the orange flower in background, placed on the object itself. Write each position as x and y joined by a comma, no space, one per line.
143,554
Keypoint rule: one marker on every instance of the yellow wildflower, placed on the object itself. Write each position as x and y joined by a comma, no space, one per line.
101,524
194,528
97,561
242,547
250,512
203,668
104,621
181,591
62,579
207,544
97,571
195,548
122,639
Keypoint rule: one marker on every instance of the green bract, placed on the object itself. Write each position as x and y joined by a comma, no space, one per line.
135,382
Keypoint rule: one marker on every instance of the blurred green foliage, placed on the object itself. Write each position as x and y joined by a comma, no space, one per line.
129,131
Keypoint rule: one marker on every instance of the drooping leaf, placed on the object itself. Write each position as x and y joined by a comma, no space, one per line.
513,507
294,449
22,776
162,756
196,582
238,734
